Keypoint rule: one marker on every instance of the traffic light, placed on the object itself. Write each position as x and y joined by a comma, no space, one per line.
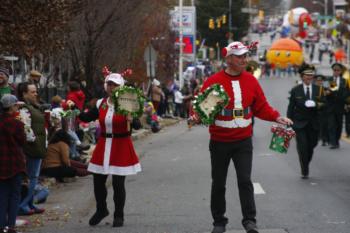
224,19
211,24
218,23
261,15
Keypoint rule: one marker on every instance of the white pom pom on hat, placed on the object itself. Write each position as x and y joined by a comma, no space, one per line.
155,82
116,78
235,48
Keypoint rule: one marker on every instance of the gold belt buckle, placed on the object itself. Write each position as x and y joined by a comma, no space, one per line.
237,113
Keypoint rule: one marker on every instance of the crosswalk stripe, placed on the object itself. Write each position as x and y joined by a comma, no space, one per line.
258,189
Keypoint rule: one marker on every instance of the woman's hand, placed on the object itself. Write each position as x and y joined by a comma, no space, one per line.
129,117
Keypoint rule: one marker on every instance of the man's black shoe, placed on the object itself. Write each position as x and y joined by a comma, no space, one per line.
305,177
218,229
118,222
251,227
334,147
97,217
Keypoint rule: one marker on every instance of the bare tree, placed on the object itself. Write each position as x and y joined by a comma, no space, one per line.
115,33
29,28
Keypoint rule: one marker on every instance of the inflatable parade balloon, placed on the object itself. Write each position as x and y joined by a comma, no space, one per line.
296,21
285,52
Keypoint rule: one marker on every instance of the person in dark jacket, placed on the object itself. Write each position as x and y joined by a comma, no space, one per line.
335,100
12,163
304,102
35,146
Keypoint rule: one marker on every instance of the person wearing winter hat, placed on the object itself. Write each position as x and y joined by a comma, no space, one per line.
12,162
231,134
76,95
114,153
5,87
157,94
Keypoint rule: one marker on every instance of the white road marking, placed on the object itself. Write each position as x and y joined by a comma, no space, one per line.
265,154
258,189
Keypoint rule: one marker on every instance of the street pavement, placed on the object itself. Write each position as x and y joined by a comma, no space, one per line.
172,193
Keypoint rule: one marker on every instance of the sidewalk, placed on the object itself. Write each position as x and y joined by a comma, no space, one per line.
58,211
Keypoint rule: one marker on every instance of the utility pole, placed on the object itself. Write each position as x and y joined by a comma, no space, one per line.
180,44
250,14
229,21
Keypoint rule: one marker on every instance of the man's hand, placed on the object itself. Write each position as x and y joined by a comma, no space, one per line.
284,121
194,118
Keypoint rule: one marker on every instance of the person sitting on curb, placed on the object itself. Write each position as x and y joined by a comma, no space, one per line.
57,163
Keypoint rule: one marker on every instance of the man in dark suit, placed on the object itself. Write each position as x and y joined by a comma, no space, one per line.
304,102
335,102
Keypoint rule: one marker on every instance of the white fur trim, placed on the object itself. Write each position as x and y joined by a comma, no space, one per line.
237,94
98,103
236,123
108,144
115,170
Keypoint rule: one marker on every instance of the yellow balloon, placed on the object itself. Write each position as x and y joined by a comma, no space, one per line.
285,52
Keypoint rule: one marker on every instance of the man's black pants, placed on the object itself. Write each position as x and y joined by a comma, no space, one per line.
241,153
306,140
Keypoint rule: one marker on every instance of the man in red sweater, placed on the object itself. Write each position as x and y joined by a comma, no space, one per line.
230,135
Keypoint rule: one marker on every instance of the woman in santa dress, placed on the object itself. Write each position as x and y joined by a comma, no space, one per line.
114,153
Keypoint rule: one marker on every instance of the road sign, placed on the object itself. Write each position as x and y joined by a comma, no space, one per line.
10,58
150,54
249,10
150,57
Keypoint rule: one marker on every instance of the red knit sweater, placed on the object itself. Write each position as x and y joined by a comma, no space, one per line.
252,96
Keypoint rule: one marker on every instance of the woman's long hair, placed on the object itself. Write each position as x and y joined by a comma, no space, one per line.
60,136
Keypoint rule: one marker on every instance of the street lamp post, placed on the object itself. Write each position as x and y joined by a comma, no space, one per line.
325,7
180,42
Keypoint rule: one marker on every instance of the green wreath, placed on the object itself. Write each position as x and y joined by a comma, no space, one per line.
70,113
124,89
208,120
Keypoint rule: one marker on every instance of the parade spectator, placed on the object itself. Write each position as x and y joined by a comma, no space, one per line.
35,78
151,116
230,135
178,100
157,94
114,153
75,100
304,102
12,163
335,102
34,148
323,48
187,94
57,163
76,95
5,87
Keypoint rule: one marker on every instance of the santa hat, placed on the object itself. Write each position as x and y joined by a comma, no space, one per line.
237,48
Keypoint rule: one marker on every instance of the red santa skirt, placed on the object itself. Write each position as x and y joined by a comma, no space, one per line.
114,156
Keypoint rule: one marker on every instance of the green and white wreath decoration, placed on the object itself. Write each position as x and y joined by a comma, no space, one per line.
70,113
133,91
206,109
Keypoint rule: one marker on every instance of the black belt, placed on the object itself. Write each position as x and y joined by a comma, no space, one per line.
237,112
115,135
